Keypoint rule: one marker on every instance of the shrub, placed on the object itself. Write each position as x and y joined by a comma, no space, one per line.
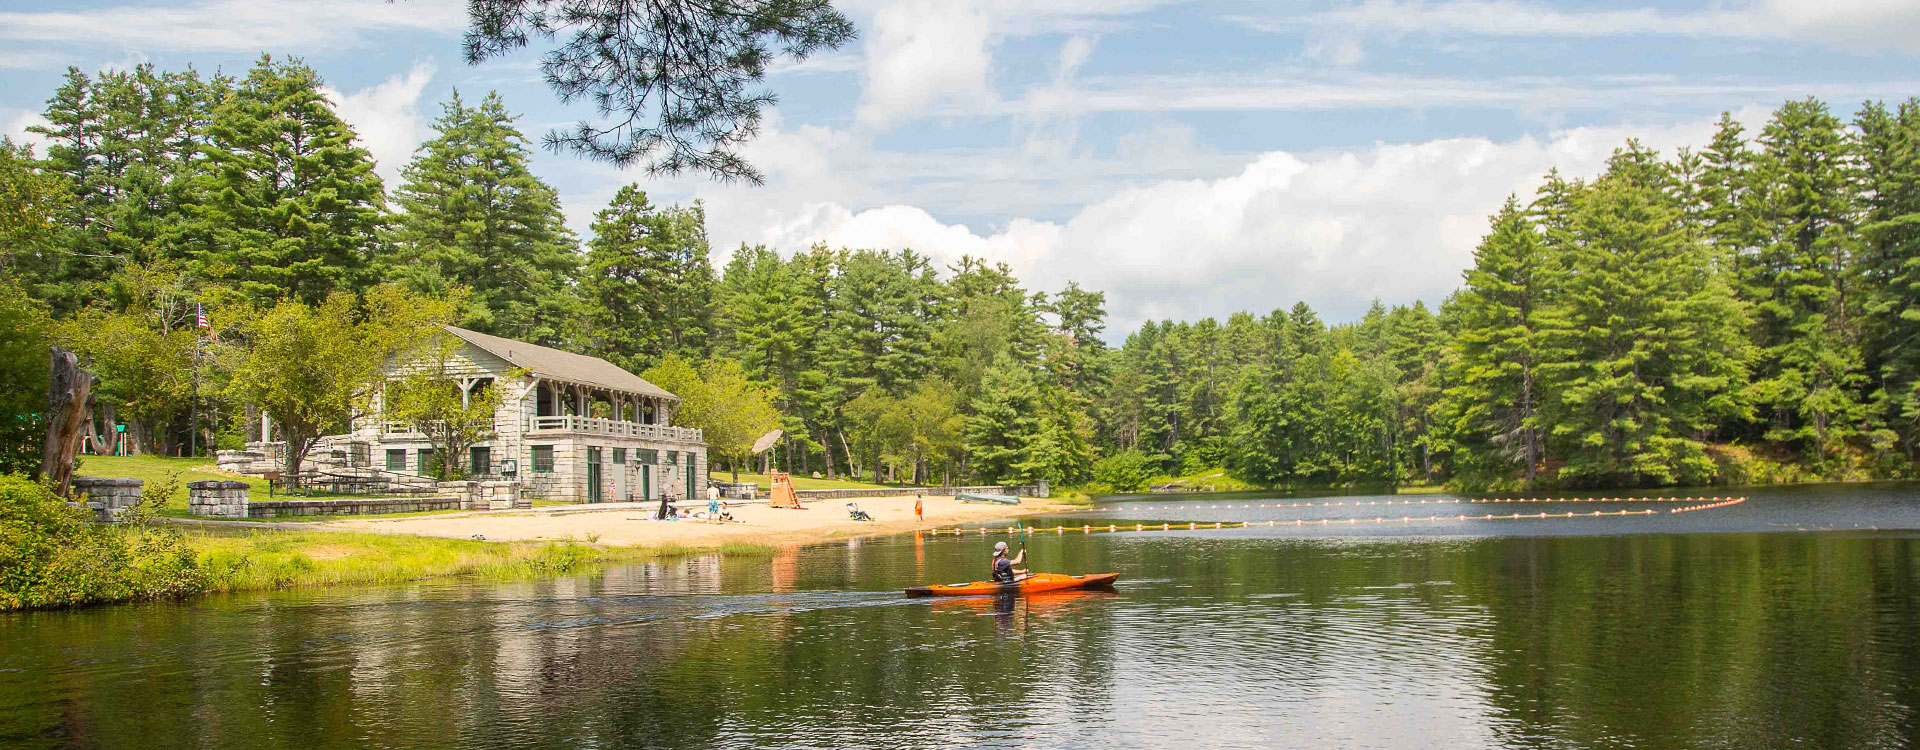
1126,471
51,555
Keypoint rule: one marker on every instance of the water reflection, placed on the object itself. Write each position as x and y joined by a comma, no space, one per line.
1217,639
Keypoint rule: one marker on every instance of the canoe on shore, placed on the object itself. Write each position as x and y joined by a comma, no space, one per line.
977,497
1034,583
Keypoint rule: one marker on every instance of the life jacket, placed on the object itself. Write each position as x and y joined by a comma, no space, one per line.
1002,570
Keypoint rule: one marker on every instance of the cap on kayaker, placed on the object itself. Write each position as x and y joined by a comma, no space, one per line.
999,548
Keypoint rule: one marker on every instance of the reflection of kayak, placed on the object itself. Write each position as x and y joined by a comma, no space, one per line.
1032,584
980,497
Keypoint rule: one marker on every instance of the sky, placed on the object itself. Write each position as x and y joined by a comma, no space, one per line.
1188,159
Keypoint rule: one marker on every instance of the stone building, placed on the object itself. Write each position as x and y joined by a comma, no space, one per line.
570,427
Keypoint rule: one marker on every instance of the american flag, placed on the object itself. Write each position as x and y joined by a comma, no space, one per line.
200,316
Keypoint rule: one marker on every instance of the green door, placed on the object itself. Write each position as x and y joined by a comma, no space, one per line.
593,475
646,481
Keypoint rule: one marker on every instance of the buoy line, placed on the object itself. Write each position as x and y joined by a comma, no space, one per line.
1303,522
1711,501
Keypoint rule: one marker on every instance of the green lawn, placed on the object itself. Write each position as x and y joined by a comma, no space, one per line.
802,483
155,469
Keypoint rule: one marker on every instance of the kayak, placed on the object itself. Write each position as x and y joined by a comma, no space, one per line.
1031,584
979,497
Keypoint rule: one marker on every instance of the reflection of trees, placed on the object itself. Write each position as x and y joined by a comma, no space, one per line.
1727,640
1734,640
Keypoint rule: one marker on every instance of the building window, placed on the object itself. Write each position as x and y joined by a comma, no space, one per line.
427,462
543,459
480,458
396,459
646,456
673,458
619,455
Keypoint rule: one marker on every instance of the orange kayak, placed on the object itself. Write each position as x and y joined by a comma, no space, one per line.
1032,584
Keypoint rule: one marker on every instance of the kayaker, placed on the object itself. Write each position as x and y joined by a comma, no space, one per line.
1003,568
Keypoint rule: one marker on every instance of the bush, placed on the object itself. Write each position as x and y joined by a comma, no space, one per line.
51,555
1126,471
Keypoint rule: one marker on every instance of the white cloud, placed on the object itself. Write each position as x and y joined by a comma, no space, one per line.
387,118
1884,23
1336,229
924,53
17,130
235,25
936,56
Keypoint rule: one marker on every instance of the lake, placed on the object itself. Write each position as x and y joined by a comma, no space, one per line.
1791,619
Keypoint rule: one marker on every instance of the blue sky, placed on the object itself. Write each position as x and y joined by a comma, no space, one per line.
1187,158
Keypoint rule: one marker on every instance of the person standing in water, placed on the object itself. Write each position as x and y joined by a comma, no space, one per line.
1003,568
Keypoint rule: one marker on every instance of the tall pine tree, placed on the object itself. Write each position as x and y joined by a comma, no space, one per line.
287,204
648,284
475,216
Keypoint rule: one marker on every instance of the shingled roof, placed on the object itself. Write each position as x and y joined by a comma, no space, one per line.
558,365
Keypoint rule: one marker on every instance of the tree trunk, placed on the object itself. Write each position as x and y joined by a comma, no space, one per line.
297,445
69,399
826,448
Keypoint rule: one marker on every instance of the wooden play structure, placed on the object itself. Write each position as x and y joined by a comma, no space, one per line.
782,495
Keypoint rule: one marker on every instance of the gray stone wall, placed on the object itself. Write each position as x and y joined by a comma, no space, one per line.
488,495
217,499
349,506
108,497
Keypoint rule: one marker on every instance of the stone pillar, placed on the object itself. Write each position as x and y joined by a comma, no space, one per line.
468,493
108,497
502,495
217,499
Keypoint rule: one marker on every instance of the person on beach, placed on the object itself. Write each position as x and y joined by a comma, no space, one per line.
919,514
1003,568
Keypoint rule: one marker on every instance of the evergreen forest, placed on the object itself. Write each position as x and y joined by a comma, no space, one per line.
1743,311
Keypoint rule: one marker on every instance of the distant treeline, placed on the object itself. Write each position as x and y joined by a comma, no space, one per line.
1745,312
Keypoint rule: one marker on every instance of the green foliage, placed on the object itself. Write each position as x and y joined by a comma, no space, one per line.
286,203
52,556
309,367
1494,402
730,408
1125,471
146,352
1810,370
124,145
476,218
648,284
24,368
30,203
1645,343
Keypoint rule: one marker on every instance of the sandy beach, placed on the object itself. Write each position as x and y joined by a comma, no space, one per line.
631,524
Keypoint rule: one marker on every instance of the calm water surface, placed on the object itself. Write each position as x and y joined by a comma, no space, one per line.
1791,620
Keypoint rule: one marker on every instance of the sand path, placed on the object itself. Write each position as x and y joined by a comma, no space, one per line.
757,523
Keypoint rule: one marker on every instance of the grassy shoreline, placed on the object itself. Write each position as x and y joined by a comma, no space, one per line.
270,559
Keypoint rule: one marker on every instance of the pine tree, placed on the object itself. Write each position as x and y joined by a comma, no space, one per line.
648,285
1811,368
1890,262
124,145
1726,193
475,216
1643,343
286,204
1005,423
1494,402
